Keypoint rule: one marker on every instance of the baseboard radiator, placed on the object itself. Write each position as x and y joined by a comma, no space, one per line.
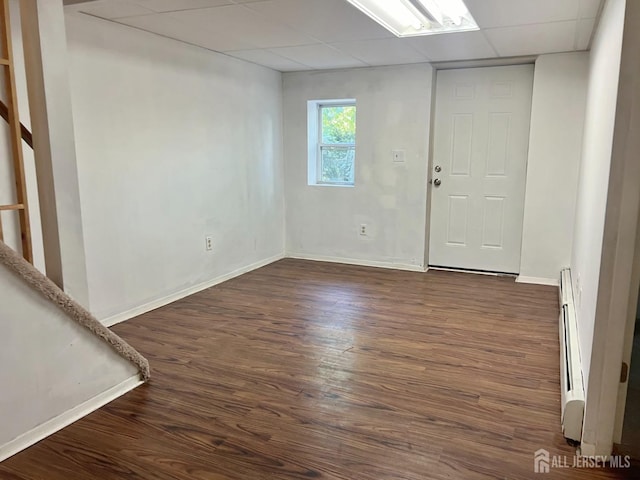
571,383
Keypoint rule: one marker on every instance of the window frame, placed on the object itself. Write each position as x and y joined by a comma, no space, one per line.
345,146
315,145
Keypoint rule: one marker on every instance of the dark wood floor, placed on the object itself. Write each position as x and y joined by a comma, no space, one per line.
309,370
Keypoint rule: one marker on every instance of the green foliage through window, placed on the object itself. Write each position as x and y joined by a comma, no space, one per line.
338,124
337,144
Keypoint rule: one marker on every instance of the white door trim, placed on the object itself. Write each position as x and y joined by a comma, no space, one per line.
618,281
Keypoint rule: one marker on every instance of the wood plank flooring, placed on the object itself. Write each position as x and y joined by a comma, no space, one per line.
312,370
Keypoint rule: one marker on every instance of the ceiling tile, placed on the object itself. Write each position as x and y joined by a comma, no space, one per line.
319,56
584,32
589,8
499,13
286,34
269,59
242,24
453,46
163,24
383,51
326,20
113,9
174,5
533,39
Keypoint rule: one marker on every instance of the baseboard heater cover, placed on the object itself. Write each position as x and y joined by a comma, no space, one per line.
571,382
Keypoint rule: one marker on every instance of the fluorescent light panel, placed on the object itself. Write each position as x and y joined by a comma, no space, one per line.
408,18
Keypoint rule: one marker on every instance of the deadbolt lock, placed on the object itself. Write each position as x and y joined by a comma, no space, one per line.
438,169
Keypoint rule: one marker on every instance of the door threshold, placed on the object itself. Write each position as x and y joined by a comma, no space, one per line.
471,270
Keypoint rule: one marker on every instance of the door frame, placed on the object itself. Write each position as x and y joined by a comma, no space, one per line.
457,65
619,280
629,331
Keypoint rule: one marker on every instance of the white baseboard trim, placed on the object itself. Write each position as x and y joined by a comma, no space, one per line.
353,261
67,418
161,302
538,281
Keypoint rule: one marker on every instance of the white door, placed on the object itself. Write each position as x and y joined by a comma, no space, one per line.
481,140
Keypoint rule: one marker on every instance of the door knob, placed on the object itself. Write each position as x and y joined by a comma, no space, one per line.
437,182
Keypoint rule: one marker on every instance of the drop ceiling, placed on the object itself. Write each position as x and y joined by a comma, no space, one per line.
292,35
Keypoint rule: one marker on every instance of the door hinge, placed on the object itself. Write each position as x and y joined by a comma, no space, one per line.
624,373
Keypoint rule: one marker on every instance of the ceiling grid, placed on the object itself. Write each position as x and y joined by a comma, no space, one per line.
292,35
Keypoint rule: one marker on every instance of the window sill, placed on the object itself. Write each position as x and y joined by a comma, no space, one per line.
339,185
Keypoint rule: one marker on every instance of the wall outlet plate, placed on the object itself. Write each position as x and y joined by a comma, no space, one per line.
208,243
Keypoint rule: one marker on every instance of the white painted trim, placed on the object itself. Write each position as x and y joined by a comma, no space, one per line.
161,302
618,279
67,418
538,281
587,450
486,62
359,262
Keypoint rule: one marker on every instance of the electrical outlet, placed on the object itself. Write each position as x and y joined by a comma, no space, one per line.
363,229
208,243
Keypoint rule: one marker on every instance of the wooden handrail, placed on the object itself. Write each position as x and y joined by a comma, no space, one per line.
26,134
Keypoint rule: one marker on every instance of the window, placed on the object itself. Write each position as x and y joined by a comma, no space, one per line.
337,144
332,142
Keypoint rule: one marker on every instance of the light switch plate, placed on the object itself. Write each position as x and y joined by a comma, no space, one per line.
398,156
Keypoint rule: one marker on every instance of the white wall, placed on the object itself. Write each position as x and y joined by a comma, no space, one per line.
174,143
604,68
555,147
393,112
50,364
